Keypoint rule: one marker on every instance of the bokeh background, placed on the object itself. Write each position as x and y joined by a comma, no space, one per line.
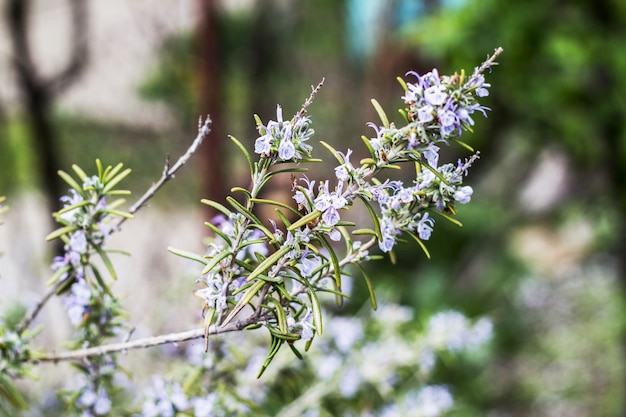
543,247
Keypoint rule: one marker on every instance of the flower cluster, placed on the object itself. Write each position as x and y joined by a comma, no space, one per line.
87,220
451,330
387,353
284,140
278,273
86,213
167,399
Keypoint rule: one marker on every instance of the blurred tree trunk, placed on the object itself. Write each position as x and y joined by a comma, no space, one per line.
212,156
38,93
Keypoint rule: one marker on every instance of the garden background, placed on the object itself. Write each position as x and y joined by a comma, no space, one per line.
542,248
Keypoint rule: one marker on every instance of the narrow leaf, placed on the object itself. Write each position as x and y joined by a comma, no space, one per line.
295,351
369,147
116,180
58,274
463,144
73,207
11,394
275,203
368,282
287,170
99,167
334,260
268,262
304,220
241,209
374,216
244,301
449,218
109,173
422,245
186,254
274,348
241,190
217,206
281,317
244,151
402,83
98,276
219,232
61,231
333,151
107,261
118,213
79,171
381,112
71,182
215,260
315,305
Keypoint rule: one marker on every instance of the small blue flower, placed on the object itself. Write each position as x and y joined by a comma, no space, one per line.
463,194
263,145
425,226
432,155
435,95
77,303
425,113
286,150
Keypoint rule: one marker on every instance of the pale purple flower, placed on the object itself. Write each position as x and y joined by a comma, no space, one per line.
435,95
425,226
328,203
413,93
334,235
389,233
77,302
286,150
263,145
350,381
343,171
425,113
204,406
78,242
308,329
432,155
413,140
463,194
164,400
99,403
447,118
330,216
304,327
431,401
213,294
308,264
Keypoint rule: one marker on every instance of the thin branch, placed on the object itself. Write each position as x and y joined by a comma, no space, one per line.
144,343
307,103
37,308
490,62
168,173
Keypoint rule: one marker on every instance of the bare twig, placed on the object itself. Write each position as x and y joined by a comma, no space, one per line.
168,173
490,62
144,343
37,308
307,103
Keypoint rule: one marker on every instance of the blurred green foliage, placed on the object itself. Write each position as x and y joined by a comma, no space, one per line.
560,85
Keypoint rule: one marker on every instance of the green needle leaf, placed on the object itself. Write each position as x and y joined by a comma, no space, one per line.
381,112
